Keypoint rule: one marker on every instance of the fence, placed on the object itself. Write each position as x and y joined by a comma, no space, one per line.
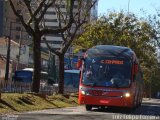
21,87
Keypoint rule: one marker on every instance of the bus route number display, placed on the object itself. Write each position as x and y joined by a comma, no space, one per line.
119,62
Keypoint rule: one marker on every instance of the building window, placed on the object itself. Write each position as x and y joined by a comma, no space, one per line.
17,20
17,37
51,20
18,11
56,42
51,13
62,6
18,28
54,35
75,6
44,62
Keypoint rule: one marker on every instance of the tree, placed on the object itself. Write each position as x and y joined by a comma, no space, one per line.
154,20
80,17
33,25
124,30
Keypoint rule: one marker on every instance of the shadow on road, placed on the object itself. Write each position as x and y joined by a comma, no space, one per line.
8,104
145,109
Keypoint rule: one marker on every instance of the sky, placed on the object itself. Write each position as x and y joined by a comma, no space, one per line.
134,6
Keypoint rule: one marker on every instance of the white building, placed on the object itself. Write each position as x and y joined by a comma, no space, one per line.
51,21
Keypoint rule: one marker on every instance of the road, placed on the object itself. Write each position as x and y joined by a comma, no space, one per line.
148,111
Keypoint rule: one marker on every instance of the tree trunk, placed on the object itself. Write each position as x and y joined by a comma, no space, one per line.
37,63
61,74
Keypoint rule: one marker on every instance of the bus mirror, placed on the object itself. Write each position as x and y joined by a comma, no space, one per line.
79,63
136,68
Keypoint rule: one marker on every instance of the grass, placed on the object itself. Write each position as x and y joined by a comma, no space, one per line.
14,102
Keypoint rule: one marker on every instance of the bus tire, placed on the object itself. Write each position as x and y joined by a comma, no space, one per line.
88,107
102,107
140,102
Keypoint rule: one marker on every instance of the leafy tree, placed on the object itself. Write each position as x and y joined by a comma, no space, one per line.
154,20
33,25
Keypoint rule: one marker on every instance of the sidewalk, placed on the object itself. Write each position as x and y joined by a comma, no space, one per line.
151,101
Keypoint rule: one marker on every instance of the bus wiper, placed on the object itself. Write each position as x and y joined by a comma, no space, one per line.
116,85
91,84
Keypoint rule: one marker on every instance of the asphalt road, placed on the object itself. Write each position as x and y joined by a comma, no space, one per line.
148,111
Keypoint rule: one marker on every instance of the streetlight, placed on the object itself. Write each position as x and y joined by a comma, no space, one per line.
19,52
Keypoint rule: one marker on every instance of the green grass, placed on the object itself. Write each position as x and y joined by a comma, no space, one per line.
14,102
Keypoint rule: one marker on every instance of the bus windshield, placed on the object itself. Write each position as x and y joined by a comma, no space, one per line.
107,72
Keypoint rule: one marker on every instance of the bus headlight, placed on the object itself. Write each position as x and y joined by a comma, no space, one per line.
127,95
84,92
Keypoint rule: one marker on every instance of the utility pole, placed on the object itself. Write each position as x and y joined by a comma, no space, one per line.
128,5
19,53
8,53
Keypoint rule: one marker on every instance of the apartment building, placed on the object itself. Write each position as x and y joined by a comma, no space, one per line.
51,21
12,26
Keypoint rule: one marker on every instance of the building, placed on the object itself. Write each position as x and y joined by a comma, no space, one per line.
13,28
14,55
94,11
1,18
51,20
44,59
23,55
11,24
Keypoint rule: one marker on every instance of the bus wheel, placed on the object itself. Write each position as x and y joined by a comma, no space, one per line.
140,102
129,110
88,107
102,107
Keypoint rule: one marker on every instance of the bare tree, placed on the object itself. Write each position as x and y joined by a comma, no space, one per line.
69,24
81,15
36,10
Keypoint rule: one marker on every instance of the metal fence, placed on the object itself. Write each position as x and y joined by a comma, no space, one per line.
21,87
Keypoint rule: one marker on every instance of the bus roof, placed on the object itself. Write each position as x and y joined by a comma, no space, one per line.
72,71
28,69
110,50
31,69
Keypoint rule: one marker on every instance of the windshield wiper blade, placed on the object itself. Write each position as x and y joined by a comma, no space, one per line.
90,84
115,84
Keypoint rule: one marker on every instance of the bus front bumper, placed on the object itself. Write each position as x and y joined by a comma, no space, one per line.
118,101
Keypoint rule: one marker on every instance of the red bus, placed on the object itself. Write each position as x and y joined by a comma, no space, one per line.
110,76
